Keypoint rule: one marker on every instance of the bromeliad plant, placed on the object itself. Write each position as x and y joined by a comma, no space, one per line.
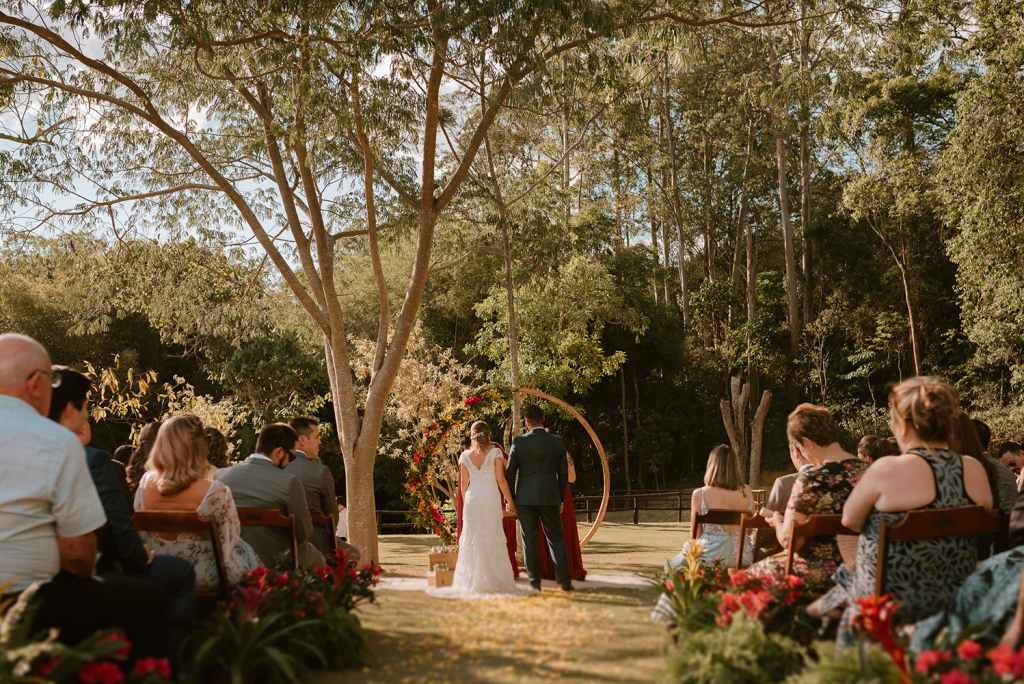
691,591
279,622
102,658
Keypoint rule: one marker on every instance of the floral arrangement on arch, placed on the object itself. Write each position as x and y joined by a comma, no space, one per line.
428,448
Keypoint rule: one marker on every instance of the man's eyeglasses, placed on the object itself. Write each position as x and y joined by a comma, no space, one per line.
55,377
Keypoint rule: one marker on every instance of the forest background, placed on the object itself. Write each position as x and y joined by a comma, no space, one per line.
819,198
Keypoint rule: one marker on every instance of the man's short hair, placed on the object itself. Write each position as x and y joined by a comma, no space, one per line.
276,435
984,433
304,427
533,414
1008,447
74,389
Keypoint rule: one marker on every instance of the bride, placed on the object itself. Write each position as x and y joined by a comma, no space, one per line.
483,570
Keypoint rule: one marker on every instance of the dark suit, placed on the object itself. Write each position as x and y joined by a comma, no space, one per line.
258,483
175,576
318,483
539,459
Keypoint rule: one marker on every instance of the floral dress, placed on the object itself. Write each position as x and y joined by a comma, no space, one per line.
818,491
922,574
239,557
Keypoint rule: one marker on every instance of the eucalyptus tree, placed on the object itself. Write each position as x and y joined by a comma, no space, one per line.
319,121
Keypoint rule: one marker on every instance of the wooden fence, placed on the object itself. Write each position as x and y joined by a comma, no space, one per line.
678,501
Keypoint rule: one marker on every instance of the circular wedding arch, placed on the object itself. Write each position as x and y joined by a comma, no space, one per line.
600,452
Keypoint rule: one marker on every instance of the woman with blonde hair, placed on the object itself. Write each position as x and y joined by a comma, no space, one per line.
923,574
175,481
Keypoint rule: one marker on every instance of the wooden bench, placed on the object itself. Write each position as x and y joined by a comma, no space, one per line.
321,520
187,522
271,517
821,525
938,522
751,521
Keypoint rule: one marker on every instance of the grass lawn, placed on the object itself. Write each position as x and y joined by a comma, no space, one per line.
593,635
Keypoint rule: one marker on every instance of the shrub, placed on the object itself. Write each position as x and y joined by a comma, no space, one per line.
740,654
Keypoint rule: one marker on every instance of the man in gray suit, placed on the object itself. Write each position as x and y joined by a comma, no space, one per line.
260,482
539,458
316,479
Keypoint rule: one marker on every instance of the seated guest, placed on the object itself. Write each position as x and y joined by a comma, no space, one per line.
174,576
316,478
820,490
261,482
174,481
119,461
1009,455
966,442
923,574
723,490
50,511
136,467
217,453
871,448
774,510
1006,483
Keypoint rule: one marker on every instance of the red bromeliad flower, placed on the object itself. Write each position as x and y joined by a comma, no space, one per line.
252,599
100,673
146,666
118,637
875,618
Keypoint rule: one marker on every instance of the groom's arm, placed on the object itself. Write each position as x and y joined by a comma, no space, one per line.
512,469
562,470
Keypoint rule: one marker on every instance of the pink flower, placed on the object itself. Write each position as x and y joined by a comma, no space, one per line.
437,515
729,604
100,673
417,458
670,586
929,659
794,582
739,578
45,667
755,602
968,650
146,666
956,677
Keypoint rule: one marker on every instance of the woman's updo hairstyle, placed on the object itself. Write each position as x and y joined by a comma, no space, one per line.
480,433
815,423
928,404
872,447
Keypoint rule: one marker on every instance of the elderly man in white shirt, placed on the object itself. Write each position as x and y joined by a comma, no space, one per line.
49,512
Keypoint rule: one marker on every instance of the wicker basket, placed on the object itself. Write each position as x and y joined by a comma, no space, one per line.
448,559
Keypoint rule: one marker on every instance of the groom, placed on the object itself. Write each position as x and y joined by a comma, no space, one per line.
539,458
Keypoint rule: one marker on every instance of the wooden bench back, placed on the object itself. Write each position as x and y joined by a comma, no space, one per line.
321,520
751,521
187,522
932,523
821,525
271,517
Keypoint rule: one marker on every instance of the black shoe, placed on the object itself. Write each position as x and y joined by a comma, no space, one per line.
535,586
568,587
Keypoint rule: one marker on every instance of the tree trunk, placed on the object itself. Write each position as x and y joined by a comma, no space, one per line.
639,461
676,208
625,429
806,213
787,234
513,338
734,416
740,226
670,295
756,433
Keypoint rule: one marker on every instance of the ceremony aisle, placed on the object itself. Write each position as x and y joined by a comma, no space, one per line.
591,635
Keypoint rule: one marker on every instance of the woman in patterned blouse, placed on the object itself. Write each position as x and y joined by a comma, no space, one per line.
822,489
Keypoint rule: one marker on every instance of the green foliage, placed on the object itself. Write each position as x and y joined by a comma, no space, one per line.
740,654
863,664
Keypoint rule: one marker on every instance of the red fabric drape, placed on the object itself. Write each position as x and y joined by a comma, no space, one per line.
572,544
508,525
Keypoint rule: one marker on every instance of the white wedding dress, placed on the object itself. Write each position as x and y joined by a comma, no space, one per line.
483,570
